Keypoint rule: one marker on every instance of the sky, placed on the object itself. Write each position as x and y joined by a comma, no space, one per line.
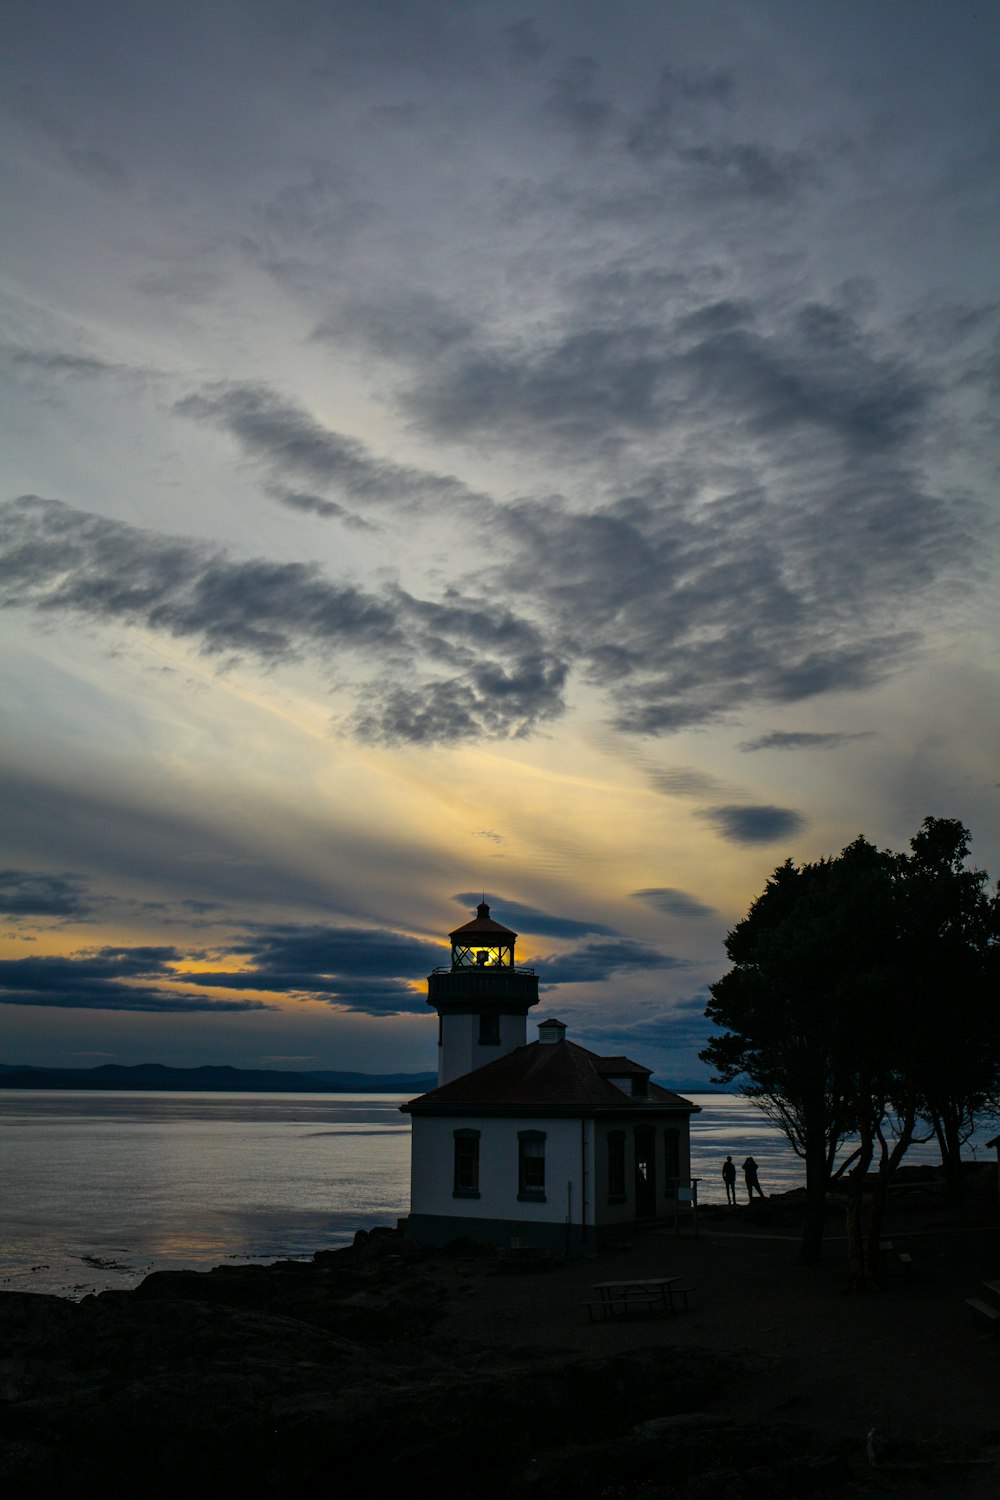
546,450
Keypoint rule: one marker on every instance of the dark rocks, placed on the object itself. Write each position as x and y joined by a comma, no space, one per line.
284,1381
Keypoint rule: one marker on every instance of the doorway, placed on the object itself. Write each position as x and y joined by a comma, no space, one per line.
645,1172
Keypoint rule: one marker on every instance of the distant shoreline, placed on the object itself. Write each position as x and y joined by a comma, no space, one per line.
221,1079
158,1077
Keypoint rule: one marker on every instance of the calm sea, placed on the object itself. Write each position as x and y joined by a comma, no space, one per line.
98,1189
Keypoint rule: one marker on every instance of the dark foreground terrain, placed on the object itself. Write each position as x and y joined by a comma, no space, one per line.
387,1365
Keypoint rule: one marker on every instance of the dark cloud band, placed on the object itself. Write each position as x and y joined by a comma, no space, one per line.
499,677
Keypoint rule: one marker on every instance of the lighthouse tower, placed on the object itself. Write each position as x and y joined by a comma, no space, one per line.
482,1000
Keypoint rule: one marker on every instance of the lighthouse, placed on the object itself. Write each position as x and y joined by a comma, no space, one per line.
482,999
540,1142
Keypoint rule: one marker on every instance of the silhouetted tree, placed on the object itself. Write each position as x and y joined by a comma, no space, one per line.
952,929
853,982
805,959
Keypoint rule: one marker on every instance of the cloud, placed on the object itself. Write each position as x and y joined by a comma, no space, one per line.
594,962
684,781
503,681
366,970
337,950
689,595
293,445
683,611
532,919
754,825
778,374
753,523
362,969
29,893
315,505
798,740
63,362
673,902
108,979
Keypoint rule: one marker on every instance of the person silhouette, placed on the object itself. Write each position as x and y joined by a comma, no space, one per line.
729,1178
750,1178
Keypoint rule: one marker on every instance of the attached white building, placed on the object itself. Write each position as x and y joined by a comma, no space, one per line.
546,1142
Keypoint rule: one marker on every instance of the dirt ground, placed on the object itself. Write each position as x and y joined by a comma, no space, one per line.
910,1361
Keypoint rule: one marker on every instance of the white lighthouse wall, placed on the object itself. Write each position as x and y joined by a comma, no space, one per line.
563,1220
433,1168
462,1052
578,1203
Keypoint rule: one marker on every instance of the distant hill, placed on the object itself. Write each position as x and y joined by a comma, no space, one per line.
213,1079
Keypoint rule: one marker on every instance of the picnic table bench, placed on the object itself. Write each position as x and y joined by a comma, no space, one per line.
987,1310
646,1293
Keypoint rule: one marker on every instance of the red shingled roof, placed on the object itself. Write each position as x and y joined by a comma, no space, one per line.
482,926
557,1076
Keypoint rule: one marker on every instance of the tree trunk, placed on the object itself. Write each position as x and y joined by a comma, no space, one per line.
871,1263
858,1181
878,1204
817,1182
948,1128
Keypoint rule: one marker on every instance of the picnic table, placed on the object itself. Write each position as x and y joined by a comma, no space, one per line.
649,1293
987,1310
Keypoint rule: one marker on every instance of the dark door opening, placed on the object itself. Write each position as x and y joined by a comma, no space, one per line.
645,1173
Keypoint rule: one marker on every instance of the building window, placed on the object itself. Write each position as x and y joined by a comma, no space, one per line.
466,1164
616,1166
531,1165
489,1029
672,1161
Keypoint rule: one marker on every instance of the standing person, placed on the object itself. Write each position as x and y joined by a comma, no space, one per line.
729,1178
750,1178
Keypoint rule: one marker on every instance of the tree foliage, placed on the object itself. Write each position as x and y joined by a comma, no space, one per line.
858,1001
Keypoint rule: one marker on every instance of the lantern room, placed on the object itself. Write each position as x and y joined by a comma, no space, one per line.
482,943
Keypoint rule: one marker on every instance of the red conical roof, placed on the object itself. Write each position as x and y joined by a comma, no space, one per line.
483,927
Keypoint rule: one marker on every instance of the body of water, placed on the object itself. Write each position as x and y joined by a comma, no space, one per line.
100,1188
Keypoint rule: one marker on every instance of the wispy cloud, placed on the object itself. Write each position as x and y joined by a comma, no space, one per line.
502,678
780,739
754,825
294,446
673,902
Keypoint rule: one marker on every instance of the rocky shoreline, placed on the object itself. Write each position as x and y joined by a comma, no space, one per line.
386,1363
